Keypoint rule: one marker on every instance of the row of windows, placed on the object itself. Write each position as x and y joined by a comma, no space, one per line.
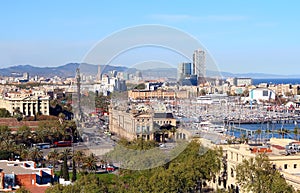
163,122
24,108
237,156
142,129
142,120
285,166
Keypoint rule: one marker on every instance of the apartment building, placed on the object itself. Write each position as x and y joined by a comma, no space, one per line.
28,103
287,164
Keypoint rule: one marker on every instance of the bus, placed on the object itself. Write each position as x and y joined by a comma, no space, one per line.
62,144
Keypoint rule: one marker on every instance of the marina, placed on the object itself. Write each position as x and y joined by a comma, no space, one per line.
229,118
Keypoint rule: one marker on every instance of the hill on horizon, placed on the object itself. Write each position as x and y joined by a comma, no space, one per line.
69,70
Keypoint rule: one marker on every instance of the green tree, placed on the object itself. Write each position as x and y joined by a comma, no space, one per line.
53,157
5,132
65,169
202,92
90,162
35,154
173,131
187,173
258,132
257,175
74,170
296,132
140,86
4,113
22,190
283,132
24,135
78,157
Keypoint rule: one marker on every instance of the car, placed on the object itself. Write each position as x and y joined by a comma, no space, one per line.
110,168
162,145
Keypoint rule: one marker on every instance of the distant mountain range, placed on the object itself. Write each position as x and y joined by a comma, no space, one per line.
68,70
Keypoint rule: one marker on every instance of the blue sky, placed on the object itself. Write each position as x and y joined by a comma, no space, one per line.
242,36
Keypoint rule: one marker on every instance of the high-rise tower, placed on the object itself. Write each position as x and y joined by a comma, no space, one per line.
184,70
199,67
99,74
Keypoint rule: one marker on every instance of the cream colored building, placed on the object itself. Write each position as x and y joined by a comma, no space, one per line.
159,94
288,166
139,122
28,103
131,124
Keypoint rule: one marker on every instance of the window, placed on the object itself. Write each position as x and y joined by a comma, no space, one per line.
232,173
237,157
138,130
265,93
285,166
231,155
274,166
295,166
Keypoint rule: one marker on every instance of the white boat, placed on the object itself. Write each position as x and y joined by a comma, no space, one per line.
218,128
205,125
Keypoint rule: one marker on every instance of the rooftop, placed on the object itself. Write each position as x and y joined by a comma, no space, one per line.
19,167
163,115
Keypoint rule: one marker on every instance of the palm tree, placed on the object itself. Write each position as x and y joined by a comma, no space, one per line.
283,132
36,154
8,145
173,131
79,157
66,154
22,150
53,157
25,154
23,134
296,132
90,162
5,132
258,132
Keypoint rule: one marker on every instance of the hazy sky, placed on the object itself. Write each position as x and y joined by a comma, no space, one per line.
242,36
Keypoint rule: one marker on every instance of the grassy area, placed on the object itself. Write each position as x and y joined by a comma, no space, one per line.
106,177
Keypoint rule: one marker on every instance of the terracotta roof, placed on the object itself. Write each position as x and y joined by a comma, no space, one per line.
36,189
278,147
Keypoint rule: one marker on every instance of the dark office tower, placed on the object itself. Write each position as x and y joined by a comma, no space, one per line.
184,70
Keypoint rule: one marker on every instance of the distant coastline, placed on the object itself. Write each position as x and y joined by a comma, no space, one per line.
293,81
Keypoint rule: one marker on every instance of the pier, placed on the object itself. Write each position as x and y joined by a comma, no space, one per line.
247,132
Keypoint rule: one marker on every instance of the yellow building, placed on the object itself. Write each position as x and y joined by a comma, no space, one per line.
27,103
288,166
159,94
140,123
131,124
